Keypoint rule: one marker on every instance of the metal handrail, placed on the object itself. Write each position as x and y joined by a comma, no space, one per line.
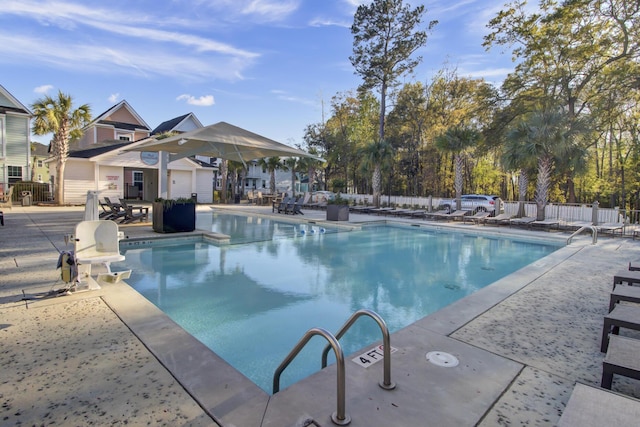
386,383
339,417
594,233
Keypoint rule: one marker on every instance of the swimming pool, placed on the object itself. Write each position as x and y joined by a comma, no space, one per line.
252,302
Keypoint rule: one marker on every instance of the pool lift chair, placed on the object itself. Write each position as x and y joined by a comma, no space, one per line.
97,242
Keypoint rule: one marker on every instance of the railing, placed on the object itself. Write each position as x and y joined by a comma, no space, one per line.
386,383
594,233
339,417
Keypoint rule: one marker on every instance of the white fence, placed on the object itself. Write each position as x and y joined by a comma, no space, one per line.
564,211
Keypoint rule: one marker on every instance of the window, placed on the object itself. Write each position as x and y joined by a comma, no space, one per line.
40,163
14,174
39,178
124,138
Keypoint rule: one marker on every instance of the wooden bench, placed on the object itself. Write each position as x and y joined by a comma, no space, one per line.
621,359
622,316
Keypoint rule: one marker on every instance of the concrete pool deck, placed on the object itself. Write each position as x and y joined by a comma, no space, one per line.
106,357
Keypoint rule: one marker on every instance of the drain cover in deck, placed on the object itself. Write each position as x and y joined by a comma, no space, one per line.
440,358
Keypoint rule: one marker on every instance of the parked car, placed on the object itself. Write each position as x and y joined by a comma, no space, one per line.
322,196
475,203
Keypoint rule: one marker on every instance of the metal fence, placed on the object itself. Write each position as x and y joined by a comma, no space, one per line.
37,191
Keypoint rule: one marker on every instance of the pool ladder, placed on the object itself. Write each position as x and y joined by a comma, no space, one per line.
594,233
340,417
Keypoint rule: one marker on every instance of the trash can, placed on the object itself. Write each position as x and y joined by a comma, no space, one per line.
26,198
194,197
236,200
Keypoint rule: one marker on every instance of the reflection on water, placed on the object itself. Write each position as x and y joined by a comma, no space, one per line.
266,295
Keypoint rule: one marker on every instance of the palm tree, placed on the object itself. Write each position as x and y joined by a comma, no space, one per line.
456,140
271,164
292,164
376,156
56,116
310,166
544,135
514,158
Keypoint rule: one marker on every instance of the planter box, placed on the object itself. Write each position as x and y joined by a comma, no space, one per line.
176,218
337,213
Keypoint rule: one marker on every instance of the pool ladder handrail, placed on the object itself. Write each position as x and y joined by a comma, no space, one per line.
339,417
594,233
386,382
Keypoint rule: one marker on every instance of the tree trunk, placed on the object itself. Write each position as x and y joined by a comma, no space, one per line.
377,185
542,185
523,184
224,172
458,180
59,195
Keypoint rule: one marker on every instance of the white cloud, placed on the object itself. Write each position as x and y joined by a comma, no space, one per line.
271,10
203,101
43,89
113,98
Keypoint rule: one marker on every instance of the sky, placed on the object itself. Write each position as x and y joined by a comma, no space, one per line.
269,66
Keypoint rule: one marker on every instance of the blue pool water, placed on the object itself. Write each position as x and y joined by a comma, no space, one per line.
252,302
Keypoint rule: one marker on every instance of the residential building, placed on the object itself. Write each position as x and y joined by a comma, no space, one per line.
15,140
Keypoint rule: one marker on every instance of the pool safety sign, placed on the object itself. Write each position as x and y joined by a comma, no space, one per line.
372,356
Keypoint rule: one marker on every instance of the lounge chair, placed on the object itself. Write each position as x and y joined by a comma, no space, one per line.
621,359
420,213
525,220
499,219
611,228
95,242
547,223
290,207
6,200
456,215
134,213
437,214
622,316
477,217
593,406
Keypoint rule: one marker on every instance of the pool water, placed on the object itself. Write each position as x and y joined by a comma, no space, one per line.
251,302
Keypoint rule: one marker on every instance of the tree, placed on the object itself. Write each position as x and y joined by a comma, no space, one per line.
545,135
456,140
292,164
569,53
385,36
376,156
271,164
57,116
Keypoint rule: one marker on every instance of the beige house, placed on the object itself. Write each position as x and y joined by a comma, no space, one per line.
98,161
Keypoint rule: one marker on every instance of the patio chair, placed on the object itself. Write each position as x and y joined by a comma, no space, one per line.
282,206
293,207
133,213
437,214
6,200
116,212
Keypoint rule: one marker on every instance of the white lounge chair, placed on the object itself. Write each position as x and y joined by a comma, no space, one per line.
96,242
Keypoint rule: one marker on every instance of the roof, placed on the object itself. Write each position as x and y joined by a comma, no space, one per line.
17,107
97,149
177,124
112,109
169,125
40,150
122,125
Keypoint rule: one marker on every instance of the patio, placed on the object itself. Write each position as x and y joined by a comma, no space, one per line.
73,360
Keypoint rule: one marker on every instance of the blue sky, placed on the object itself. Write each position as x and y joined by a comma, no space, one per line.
265,65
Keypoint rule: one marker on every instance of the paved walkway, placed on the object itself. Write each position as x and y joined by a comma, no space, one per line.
72,360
